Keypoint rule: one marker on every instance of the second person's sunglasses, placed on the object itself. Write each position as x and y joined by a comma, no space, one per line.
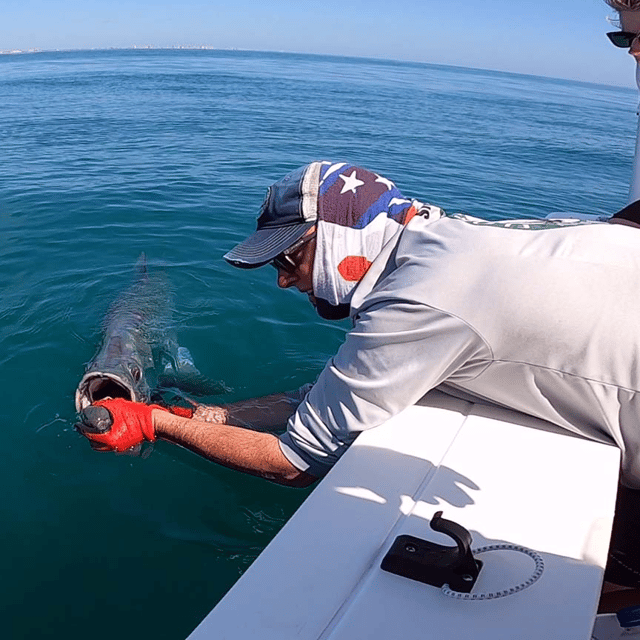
622,39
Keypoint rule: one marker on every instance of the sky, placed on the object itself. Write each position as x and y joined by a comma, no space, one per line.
562,39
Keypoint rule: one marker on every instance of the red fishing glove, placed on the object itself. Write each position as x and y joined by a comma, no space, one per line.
132,423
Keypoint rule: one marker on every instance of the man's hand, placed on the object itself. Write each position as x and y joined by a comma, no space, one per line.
126,425
130,423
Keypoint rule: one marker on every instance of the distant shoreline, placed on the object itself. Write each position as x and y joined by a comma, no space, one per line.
131,48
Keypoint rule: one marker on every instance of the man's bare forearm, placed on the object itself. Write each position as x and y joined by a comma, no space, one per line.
234,447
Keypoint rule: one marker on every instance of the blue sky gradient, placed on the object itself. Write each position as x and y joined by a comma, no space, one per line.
562,39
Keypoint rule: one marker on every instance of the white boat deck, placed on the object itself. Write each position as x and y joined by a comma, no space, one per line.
506,477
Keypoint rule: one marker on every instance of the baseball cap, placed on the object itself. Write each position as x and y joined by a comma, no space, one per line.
289,210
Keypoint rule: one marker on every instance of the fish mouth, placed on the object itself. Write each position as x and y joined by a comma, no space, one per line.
96,386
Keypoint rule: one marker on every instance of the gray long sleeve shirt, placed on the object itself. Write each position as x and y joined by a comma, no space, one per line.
541,317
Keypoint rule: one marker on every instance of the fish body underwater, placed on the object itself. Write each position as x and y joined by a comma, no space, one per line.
124,366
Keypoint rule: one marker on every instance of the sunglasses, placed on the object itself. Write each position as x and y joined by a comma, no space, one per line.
622,39
284,261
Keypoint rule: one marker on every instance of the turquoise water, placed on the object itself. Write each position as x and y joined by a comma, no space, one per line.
106,154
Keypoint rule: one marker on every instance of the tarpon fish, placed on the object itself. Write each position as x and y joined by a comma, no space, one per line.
135,323
139,353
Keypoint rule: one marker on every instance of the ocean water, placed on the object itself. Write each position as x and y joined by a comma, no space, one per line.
106,154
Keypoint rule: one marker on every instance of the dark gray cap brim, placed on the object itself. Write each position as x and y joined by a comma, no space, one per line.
263,246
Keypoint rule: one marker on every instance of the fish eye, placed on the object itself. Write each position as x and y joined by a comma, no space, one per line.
136,373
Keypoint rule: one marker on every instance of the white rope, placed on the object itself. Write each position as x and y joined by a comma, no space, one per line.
537,572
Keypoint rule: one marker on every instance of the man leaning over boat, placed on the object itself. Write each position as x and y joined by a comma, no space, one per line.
540,316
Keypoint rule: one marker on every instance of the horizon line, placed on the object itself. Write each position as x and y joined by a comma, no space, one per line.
207,47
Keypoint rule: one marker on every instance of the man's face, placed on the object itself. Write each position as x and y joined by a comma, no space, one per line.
300,275
630,21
